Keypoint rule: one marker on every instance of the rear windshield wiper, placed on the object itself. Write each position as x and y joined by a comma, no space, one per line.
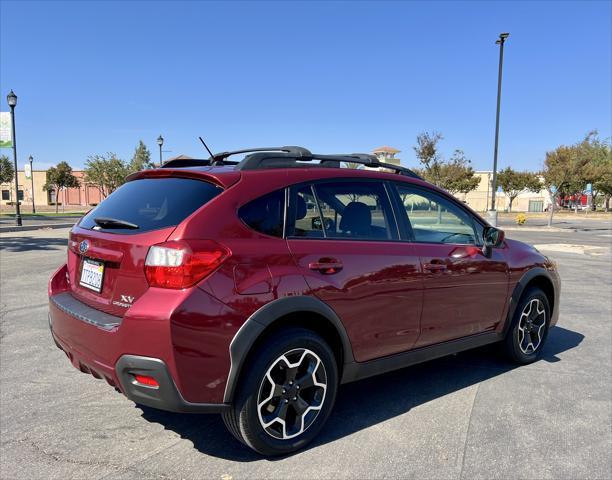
106,222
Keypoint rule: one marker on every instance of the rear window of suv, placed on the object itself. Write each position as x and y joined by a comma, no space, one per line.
265,214
150,204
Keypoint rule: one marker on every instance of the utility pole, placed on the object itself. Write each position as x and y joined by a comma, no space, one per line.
160,142
493,212
11,98
32,178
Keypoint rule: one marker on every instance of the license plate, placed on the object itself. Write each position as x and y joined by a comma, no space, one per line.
92,275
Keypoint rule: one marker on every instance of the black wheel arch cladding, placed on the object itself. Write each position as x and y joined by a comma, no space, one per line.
265,317
530,278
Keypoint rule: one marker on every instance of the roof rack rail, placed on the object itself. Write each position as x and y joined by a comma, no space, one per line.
297,151
219,159
259,161
287,157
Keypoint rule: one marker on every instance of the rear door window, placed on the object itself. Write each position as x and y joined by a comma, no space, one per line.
151,204
356,210
307,217
351,210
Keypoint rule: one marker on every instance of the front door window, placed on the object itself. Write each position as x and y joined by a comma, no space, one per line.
435,219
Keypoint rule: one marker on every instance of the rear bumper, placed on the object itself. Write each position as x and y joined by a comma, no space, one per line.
71,306
82,361
164,397
116,348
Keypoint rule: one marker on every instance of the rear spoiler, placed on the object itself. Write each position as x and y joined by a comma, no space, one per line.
225,179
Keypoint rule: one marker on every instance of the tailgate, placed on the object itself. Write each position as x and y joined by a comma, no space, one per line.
122,260
108,247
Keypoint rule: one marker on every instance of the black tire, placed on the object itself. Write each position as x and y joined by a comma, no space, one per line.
515,340
243,419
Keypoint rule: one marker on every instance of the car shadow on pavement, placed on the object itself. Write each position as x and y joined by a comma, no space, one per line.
26,244
388,396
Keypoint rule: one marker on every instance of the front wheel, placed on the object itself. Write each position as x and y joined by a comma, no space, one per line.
286,394
529,329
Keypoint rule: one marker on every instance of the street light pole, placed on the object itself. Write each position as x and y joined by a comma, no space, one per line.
32,178
160,142
493,212
11,98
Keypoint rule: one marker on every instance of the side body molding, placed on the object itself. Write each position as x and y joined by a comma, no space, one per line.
520,288
255,325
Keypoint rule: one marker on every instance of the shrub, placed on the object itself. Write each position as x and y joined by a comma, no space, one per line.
521,218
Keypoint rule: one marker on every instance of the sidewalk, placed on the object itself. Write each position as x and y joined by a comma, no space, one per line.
36,222
560,223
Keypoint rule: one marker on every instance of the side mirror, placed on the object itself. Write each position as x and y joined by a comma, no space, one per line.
493,237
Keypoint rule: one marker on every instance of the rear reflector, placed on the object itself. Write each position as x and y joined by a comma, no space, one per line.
181,264
146,380
72,244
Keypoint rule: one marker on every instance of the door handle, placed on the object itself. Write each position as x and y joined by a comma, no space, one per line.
326,266
434,267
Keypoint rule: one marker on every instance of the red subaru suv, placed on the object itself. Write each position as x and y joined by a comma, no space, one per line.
255,288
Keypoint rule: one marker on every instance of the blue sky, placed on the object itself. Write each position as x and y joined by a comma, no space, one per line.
335,77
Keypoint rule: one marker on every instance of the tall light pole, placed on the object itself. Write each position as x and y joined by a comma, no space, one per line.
31,159
11,98
160,142
493,212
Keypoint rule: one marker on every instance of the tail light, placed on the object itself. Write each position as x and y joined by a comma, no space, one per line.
181,264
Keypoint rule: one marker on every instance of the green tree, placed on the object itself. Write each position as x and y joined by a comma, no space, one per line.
558,175
596,155
106,172
602,179
7,172
59,178
427,153
579,168
454,175
141,159
568,169
514,183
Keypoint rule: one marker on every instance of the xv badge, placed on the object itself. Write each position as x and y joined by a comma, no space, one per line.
127,299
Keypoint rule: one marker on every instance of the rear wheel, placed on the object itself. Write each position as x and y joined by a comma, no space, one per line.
286,394
529,329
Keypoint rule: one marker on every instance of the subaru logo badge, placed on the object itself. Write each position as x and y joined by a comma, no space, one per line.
83,246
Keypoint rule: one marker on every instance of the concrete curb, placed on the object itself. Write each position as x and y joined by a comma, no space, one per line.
26,228
536,229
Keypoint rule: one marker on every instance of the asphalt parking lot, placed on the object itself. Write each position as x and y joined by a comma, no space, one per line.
472,415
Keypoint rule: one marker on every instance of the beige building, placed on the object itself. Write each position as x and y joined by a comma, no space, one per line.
84,196
387,154
480,198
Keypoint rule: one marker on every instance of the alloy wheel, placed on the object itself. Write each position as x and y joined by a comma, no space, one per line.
291,393
531,326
